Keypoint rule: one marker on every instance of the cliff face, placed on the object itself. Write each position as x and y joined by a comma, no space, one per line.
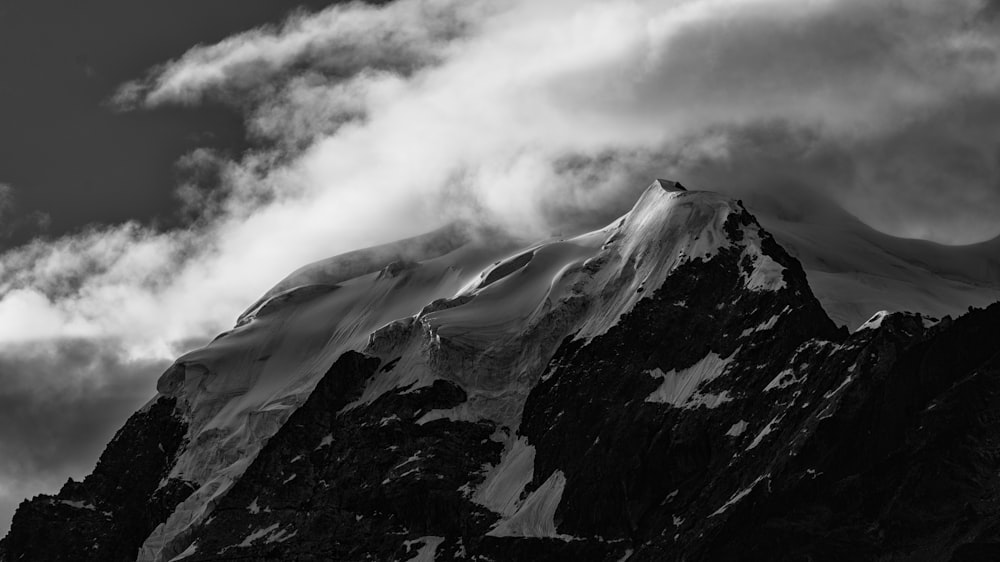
903,468
666,388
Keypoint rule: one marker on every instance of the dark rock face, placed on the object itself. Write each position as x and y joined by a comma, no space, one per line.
715,420
108,515
906,468
353,485
624,456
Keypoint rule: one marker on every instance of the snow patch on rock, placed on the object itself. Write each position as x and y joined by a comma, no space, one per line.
326,441
766,274
771,425
874,322
738,496
427,549
257,535
501,491
841,386
680,388
782,380
737,429
536,516
78,504
766,325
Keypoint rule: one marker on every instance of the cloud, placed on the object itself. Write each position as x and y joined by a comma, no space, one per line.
378,122
489,87
340,41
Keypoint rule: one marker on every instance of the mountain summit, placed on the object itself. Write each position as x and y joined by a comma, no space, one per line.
665,388
667,185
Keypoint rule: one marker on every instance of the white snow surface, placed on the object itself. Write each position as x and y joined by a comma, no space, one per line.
855,270
738,496
494,333
783,379
874,322
840,387
536,517
764,432
766,325
239,389
680,388
501,491
737,429
257,535
496,336
427,549
78,504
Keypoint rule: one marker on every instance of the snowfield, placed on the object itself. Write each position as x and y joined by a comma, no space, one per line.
856,271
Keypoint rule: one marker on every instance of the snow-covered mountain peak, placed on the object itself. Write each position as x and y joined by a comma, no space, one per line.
662,386
441,306
668,185
473,311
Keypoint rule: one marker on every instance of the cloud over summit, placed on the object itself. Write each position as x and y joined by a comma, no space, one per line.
379,121
912,82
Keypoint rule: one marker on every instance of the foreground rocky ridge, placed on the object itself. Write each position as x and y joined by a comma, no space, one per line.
674,393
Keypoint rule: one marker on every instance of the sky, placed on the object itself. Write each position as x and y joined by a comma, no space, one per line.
162,164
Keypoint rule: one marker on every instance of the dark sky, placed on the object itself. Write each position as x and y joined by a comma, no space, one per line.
64,151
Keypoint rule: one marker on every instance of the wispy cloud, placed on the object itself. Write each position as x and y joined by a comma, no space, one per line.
378,122
340,41
487,83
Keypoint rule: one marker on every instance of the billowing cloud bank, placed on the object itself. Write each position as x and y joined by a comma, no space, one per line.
380,122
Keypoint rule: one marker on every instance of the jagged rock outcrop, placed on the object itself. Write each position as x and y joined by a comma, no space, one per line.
904,467
666,388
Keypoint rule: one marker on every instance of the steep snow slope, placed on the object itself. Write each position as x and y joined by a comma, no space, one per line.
239,389
855,271
496,335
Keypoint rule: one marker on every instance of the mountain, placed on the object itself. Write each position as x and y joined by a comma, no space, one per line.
855,271
665,388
